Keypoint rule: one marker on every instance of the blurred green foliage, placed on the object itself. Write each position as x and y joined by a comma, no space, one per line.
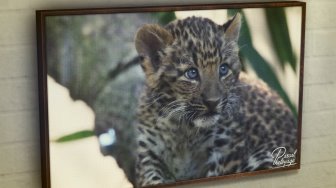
282,45
164,17
75,136
278,27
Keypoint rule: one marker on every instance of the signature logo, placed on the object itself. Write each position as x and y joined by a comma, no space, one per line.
283,159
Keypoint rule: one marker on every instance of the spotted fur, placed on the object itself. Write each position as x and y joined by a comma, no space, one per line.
215,123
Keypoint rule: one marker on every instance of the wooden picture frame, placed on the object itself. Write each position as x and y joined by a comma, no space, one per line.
93,56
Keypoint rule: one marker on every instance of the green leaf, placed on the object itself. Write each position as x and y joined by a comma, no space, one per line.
277,24
164,17
75,136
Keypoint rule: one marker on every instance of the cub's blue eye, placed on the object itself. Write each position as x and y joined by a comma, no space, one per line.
191,73
223,70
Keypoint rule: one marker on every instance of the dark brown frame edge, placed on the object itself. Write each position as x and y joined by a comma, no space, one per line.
43,100
42,74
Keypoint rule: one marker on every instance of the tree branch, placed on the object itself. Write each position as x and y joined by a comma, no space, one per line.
123,66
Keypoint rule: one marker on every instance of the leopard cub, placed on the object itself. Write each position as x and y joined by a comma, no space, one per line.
199,115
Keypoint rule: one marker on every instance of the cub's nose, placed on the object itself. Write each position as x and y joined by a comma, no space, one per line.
211,104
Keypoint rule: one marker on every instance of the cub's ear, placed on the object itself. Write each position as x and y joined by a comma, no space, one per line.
232,28
150,39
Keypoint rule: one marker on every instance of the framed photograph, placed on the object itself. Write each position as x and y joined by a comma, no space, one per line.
169,95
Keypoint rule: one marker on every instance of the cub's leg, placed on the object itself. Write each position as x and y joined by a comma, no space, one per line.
151,168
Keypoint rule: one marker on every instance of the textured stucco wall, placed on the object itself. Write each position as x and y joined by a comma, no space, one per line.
19,127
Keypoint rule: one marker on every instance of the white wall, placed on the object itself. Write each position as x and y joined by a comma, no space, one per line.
19,127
